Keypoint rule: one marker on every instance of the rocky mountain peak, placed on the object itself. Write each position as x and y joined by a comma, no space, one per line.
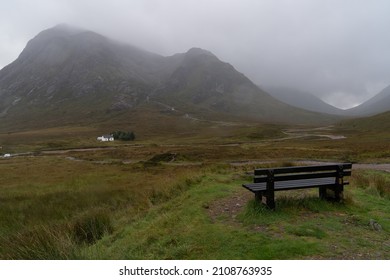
70,29
199,51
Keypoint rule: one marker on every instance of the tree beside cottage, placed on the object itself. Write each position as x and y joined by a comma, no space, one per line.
124,136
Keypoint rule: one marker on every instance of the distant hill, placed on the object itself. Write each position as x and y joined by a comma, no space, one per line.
380,123
378,104
303,100
67,75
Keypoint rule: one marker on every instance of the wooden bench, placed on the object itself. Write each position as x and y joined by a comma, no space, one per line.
325,177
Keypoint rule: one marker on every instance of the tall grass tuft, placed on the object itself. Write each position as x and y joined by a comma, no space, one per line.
54,242
39,243
169,188
91,226
382,185
360,180
373,182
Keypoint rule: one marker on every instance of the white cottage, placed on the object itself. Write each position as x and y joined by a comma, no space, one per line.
105,138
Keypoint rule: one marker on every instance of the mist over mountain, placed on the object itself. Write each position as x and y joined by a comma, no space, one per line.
303,100
69,75
378,104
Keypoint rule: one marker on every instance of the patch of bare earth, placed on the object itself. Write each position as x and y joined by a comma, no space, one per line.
225,210
229,207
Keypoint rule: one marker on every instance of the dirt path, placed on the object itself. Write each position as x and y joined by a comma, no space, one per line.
317,132
190,117
372,166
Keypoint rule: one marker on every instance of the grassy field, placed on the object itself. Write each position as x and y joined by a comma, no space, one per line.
181,198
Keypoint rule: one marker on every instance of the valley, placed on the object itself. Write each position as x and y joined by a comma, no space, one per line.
175,191
159,199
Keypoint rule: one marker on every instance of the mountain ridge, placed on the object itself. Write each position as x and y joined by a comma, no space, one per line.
67,74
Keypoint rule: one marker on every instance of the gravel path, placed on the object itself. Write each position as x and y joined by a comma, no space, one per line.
373,166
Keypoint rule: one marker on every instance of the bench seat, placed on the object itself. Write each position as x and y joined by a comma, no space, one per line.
294,184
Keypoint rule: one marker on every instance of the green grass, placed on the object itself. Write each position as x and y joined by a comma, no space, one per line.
302,227
182,229
181,198
374,183
100,215
75,202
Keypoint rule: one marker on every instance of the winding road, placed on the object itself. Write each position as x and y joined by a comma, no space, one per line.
307,132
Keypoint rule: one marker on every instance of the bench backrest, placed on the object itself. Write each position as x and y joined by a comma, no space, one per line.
302,172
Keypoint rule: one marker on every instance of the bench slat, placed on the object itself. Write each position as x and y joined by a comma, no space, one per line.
255,186
296,169
306,183
298,176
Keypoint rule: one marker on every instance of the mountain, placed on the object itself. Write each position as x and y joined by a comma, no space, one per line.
202,82
67,75
303,100
65,72
378,104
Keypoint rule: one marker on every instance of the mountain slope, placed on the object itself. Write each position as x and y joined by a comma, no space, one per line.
303,100
377,123
204,82
378,104
67,75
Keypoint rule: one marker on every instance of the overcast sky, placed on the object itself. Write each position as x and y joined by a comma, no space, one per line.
338,50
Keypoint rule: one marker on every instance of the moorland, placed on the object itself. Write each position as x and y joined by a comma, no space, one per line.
178,196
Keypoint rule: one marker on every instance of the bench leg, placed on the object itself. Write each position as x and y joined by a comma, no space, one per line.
258,197
338,193
337,196
270,200
322,192
337,190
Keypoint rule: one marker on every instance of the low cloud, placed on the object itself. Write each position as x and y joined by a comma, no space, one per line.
337,50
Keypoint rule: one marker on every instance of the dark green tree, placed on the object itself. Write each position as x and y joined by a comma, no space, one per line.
124,136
